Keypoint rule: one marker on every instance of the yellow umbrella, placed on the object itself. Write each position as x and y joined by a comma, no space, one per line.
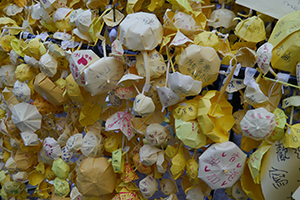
202,63
283,38
60,168
186,110
178,164
89,114
61,187
280,118
215,125
190,134
129,174
93,180
207,39
251,29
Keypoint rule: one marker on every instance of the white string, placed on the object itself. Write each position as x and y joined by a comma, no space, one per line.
167,73
271,89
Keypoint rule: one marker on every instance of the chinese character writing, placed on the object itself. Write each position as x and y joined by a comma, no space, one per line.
281,152
279,177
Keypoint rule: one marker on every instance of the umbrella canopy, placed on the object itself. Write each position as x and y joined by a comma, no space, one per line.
48,64
21,91
120,121
148,186
126,92
168,186
167,96
222,18
286,50
93,144
215,125
156,134
184,84
12,9
129,174
189,133
157,64
60,168
140,31
290,139
79,60
143,105
51,148
139,166
258,124
178,164
93,180
148,154
188,24
207,39
246,57
26,117
89,114
221,165
280,119
251,29
30,139
279,172
7,75
264,56
128,80
61,187
201,63
103,75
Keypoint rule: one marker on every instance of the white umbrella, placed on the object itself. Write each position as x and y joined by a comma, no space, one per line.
184,84
26,117
103,75
92,145
21,91
221,165
80,60
7,75
52,148
258,123
48,64
148,185
30,139
141,31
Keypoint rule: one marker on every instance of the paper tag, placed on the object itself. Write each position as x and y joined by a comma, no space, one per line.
291,101
43,36
25,35
249,74
298,75
283,77
273,8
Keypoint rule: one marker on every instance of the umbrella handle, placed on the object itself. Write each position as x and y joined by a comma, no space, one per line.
146,64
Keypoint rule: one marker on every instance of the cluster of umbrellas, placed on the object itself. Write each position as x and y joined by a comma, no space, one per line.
111,100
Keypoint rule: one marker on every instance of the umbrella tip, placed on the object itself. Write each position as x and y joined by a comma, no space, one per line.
225,171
